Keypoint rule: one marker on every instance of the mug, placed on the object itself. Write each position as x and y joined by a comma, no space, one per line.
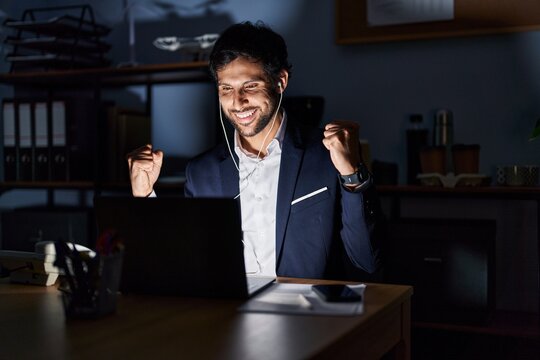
521,175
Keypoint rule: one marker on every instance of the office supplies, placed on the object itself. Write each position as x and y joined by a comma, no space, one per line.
10,141
179,246
34,268
59,153
26,147
90,281
41,142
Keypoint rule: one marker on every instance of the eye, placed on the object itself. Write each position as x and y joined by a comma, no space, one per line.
224,89
252,86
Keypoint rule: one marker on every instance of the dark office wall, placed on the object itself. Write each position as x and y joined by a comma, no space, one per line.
491,83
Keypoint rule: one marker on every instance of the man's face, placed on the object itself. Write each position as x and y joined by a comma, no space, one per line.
245,96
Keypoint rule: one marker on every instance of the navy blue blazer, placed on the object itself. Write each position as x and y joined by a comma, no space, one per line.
319,237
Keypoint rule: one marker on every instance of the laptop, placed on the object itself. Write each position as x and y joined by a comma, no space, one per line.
179,246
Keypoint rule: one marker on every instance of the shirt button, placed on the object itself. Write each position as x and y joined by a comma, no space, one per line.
259,198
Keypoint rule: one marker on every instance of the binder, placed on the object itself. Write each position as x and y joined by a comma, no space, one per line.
41,142
10,141
26,150
73,140
59,156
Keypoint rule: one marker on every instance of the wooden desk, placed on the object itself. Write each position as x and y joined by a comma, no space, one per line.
32,325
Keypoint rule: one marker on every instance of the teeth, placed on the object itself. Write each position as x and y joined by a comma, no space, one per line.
245,114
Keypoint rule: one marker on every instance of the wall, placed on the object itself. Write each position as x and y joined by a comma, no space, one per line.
491,83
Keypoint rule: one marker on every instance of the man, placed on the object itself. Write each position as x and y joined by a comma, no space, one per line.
303,192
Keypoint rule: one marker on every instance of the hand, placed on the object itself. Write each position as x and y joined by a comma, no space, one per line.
341,139
144,167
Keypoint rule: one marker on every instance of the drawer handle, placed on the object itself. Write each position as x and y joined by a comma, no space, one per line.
433,260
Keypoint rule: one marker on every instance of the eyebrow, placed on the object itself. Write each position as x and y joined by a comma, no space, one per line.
244,83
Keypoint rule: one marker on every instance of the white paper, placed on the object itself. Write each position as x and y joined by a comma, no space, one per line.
394,12
300,299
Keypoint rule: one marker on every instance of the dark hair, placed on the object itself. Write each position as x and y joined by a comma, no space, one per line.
253,41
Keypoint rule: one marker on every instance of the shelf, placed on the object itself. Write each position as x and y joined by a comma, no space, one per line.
7,185
60,45
83,185
196,71
38,61
532,193
502,323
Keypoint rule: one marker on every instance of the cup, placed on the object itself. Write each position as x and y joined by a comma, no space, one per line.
514,175
433,160
102,282
466,158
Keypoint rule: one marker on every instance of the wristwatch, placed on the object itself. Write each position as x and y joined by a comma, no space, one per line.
358,180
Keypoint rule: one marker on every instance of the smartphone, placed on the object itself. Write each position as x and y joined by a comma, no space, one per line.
336,293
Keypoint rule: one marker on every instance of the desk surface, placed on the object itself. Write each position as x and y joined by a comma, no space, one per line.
32,325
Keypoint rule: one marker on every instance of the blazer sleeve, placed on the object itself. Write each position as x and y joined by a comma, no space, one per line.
358,217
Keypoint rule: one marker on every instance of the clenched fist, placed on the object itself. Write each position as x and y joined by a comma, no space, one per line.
341,139
144,167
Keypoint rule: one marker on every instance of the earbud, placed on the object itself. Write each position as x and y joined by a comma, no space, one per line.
279,84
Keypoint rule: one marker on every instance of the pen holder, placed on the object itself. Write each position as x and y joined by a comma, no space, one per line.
92,294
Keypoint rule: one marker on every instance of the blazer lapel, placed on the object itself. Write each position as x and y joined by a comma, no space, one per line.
291,160
229,175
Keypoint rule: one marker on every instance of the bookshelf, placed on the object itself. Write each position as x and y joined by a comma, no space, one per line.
95,80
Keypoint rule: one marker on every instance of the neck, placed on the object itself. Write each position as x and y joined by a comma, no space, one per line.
257,144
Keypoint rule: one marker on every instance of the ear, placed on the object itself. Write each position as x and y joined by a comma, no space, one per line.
284,80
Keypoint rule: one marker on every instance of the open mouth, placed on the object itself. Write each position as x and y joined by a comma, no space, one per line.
245,117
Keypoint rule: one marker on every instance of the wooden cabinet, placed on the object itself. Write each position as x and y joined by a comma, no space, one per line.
419,248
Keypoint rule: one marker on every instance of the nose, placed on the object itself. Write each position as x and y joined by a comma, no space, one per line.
239,97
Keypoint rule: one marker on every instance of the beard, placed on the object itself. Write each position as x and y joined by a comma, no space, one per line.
261,123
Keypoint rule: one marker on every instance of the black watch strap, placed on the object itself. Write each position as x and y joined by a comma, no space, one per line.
361,178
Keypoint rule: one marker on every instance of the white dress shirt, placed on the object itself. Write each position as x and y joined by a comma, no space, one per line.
258,184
